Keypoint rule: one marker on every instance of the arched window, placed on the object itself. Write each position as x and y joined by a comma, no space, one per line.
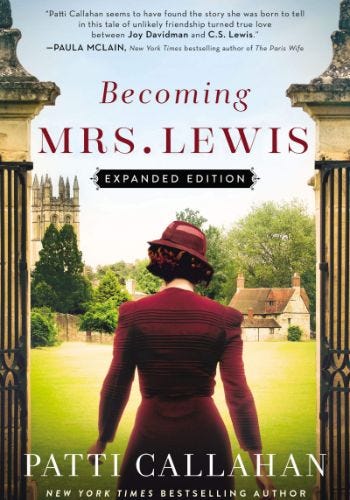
68,219
54,219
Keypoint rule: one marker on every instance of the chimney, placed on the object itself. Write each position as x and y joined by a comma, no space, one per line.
296,280
250,313
130,287
240,281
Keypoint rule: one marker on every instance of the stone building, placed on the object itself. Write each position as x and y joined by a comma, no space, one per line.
130,286
49,209
268,312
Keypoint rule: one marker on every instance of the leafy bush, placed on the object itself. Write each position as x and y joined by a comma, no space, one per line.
43,328
100,317
294,333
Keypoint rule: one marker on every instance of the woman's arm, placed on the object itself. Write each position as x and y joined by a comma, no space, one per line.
117,384
238,396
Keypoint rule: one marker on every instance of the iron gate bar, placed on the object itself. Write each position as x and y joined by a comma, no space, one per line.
331,324
24,289
347,312
339,326
2,255
16,471
2,327
9,328
334,311
339,257
13,324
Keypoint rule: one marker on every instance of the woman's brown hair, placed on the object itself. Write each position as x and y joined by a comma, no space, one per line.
169,263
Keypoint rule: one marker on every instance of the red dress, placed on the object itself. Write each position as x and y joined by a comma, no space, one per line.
176,339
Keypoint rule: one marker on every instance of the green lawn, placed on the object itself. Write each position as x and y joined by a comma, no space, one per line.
65,389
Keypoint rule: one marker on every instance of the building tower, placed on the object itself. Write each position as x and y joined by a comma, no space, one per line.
48,209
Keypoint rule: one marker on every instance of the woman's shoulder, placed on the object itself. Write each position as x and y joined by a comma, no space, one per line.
233,317
230,315
126,308
177,299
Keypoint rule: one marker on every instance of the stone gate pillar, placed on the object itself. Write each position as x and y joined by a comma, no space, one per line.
327,100
22,97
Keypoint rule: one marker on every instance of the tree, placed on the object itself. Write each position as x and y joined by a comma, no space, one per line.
192,217
71,255
100,317
43,295
49,267
146,281
121,269
110,289
76,293
273,242
216,255
43,328
59,273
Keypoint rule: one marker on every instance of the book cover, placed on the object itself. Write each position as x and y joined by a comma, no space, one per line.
142,114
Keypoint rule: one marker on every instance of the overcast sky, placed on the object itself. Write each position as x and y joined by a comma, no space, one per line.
115,224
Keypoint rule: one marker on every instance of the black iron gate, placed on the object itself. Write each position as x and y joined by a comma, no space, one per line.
13,328
334,328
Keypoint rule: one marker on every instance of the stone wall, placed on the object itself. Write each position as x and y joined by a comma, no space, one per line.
284,320
296,319
258,334
68,331
296,314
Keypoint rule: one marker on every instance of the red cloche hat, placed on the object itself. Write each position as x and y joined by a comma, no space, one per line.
184,236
